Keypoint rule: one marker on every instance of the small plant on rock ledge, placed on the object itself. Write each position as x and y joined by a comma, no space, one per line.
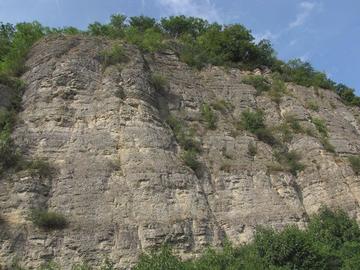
40,167
47,220
293,122
186,140
278,90
190,159
289,162
81,266
54,266
158,81
253,121
252,149
223,106
258,82
208,115
312,105
113,56
323,131
355,164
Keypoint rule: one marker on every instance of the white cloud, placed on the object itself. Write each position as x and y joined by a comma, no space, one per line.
306,8
198,8
305,57
266,35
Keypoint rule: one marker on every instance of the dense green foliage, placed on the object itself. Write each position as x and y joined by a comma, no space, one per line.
47,220
16,42
347,95
303,73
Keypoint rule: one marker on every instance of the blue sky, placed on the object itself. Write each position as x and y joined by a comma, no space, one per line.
323,32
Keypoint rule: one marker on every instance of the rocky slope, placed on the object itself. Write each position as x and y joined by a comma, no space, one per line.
119,177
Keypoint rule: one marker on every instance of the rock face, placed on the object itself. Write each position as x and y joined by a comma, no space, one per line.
119,177
5,96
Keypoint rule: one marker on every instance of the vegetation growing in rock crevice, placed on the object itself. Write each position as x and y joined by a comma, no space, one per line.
260,83
253,121
312,105
185,138
208,116
288,161
39,167
222,105
278,89
252,149
355,164
47,220
324,135
159,81
275,87
114,55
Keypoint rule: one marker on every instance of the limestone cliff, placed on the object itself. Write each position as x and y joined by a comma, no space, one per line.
119,177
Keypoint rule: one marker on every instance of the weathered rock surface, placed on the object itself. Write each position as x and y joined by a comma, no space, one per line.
5,96
120,179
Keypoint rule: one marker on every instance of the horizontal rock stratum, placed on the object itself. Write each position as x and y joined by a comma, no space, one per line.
120,179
